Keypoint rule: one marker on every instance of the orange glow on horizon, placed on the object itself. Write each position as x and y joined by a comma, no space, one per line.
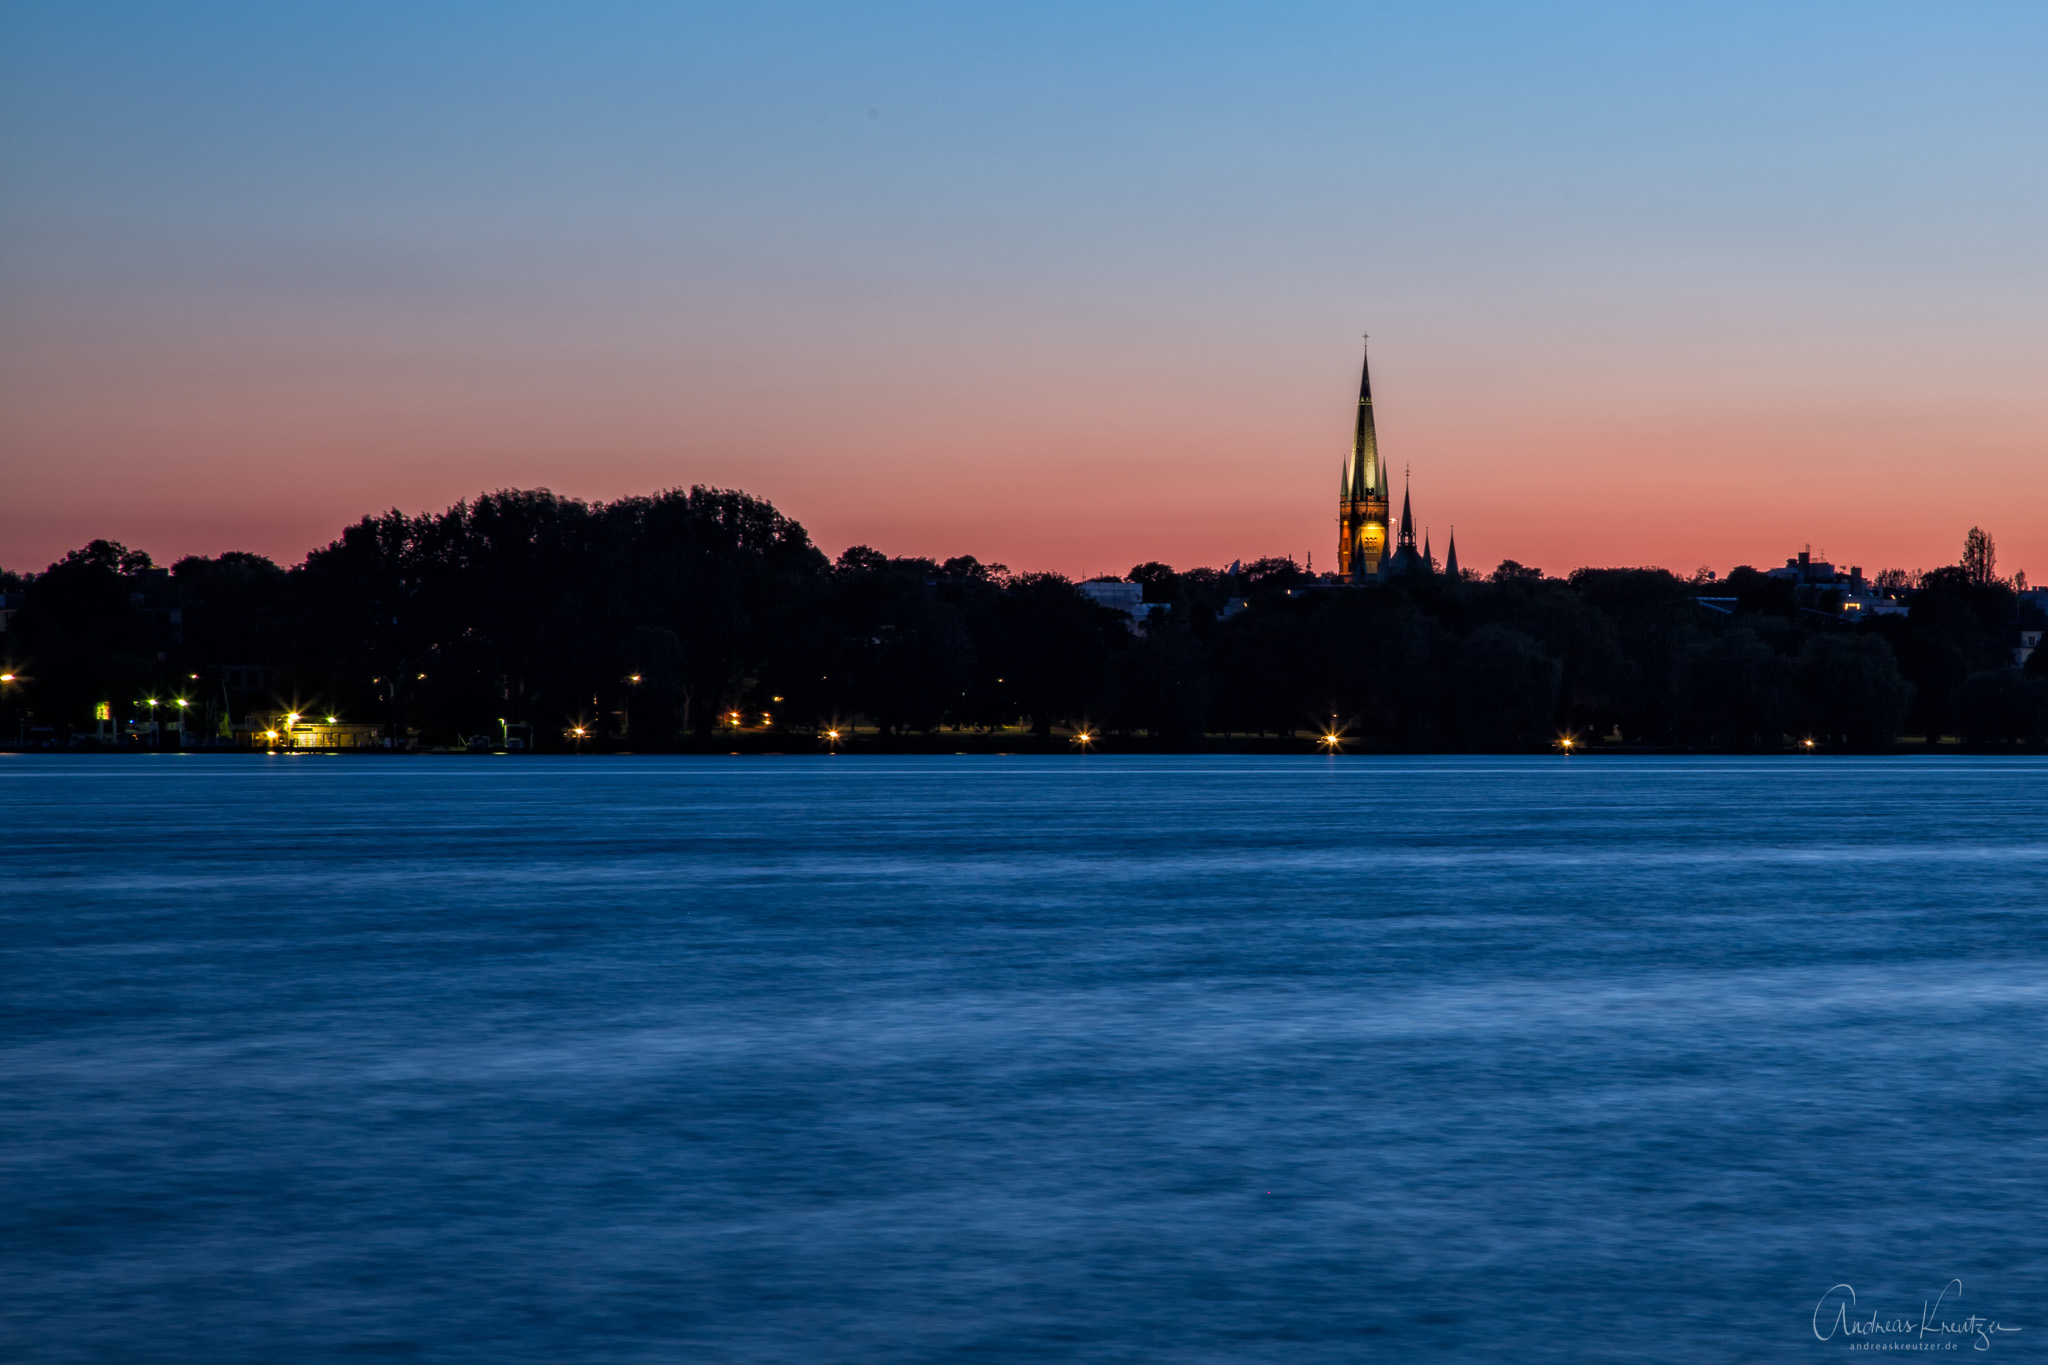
1240,462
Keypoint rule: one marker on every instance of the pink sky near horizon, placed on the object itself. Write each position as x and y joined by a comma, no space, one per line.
1058,466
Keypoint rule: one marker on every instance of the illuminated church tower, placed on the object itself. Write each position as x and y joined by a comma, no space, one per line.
1362,495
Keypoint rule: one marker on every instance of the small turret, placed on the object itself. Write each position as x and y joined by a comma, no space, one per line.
1407,561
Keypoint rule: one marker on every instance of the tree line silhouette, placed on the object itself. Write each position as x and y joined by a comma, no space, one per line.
666,621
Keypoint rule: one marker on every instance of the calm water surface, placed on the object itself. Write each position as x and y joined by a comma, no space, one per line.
933,1059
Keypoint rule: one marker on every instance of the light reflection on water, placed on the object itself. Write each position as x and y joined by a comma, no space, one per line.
929,1059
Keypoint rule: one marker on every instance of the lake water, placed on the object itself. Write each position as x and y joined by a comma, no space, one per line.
931,1059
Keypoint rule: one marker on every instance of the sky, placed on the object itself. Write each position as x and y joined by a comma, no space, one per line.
1064,286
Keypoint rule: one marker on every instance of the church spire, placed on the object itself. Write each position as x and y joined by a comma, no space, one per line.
1407,516
1362,493
1363,473
1427,557
1451,556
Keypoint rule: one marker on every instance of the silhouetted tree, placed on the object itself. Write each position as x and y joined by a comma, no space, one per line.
649,618
1161,583
1758,594
2002,706
1850,689
82,640
1269,573
1160,683
1980,558
1737,692
1507,689
1046,645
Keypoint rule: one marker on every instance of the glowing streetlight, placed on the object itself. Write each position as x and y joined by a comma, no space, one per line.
1332,741
6,677
1807,742
1083,738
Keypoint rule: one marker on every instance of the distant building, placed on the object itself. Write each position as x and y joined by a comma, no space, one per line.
293,730
1858,596
2032,624
1363,505
1407,561
1128,598
1362,501
241,677
1808,571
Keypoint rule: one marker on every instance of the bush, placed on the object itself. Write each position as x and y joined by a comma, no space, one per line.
2002,706
1850,690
